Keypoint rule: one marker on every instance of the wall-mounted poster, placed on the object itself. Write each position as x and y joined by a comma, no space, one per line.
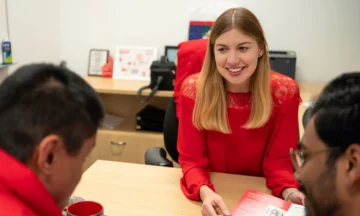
133,63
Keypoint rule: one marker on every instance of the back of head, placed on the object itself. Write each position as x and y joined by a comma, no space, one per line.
337,113
42,99
211,95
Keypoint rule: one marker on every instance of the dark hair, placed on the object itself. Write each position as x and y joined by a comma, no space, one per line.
337,114
42,99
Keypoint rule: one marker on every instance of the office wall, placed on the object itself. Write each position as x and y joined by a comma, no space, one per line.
3,31
34,31
325,34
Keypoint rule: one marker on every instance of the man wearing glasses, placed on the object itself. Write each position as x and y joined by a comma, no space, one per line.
327,162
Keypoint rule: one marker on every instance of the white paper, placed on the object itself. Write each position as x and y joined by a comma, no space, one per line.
296,210
274,211
133,63
111,121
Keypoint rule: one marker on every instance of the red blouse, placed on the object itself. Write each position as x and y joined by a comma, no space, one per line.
255,152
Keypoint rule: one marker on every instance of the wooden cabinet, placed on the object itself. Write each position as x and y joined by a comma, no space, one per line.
125,143
126,146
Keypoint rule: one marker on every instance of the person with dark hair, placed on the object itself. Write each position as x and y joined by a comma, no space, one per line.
327,161
48,122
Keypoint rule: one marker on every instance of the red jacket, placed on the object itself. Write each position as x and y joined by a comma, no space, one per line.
256,152
21,192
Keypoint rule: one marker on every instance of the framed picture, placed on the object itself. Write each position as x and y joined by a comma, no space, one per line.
97,58
133,63
171,53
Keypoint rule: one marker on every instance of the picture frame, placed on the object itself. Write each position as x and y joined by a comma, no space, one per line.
97,58
133,62
171,53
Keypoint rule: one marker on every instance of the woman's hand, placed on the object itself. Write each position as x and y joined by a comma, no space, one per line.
297,198
294,195
213,204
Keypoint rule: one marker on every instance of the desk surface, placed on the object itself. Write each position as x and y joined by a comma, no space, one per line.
123,87
128,87
138,190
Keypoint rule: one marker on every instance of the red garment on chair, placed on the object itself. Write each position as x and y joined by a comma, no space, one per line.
190,58
21,192
255,152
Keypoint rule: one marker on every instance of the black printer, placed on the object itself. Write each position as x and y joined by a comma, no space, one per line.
283,62
161,77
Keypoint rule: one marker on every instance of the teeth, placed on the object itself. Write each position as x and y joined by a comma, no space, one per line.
235,69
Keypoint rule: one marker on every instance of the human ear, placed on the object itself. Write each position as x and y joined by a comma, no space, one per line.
353,163
261,50
47,152
261,53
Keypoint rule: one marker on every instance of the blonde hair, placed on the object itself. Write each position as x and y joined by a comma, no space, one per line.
210,111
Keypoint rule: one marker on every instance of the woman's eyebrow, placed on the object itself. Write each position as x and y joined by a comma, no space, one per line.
243,43
240,44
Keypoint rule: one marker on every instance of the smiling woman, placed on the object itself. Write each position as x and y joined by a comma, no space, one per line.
236,116
239,50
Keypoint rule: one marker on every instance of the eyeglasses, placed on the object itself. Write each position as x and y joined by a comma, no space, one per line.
298,157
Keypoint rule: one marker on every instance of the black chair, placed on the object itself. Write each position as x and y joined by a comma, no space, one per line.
157,156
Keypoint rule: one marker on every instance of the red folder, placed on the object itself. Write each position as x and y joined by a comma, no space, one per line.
254,203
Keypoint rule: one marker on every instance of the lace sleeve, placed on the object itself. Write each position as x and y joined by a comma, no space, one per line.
285,91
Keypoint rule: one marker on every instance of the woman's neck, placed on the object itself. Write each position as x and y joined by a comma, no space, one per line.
238,88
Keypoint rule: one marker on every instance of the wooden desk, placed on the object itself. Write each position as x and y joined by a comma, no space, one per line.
138,190
127,87
308,92
120,98
123,87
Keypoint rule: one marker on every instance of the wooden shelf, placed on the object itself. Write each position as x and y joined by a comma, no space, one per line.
128,126
6,65
122,87
127,106
133,133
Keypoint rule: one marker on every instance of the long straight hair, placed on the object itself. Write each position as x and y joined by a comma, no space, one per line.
210,111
